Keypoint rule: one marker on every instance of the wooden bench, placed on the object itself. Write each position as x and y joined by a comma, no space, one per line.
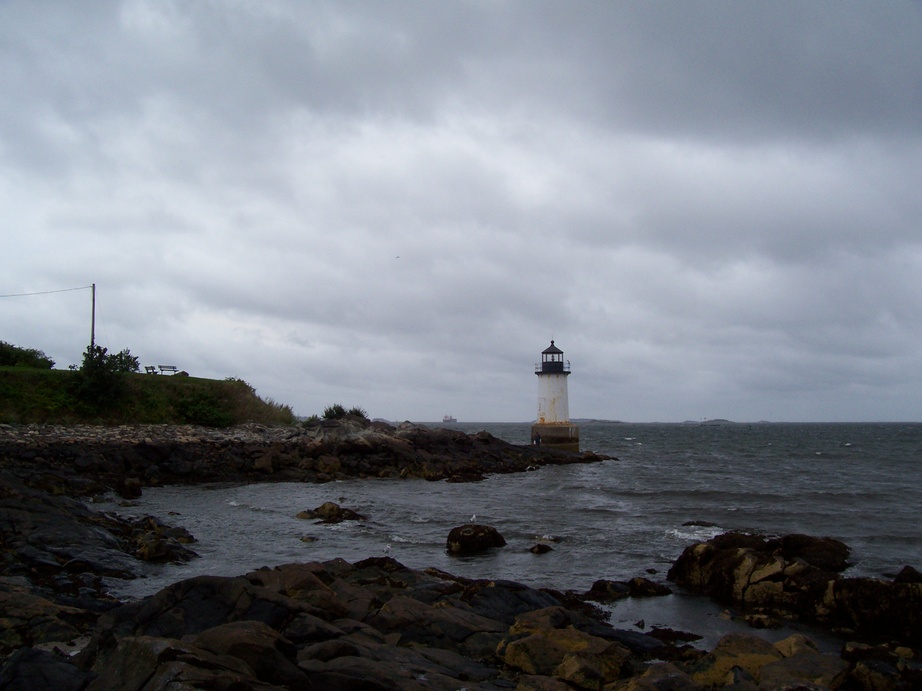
168,368
150,369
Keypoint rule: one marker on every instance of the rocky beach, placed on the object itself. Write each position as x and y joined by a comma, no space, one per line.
376,624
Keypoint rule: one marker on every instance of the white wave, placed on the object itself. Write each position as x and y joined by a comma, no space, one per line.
695,533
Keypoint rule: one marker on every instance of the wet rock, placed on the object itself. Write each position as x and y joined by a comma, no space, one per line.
373,624
607,591
661,676
644,587
908,575
471,539
330,512
783,577
802,670
541,548
263,649
29,669
131,488
748,653
824,553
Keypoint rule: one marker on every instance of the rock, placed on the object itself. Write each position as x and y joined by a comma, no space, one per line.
802,669
330,512
788,576
566,653
263,649
748,653
824,553
374,624
795,645
607,591
660,676
29,669
644,587
131,488
541,548
471,539
908,575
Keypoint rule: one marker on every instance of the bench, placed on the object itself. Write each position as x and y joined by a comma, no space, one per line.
150,369
168,368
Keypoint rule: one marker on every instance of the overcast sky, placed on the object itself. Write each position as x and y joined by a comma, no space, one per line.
714,208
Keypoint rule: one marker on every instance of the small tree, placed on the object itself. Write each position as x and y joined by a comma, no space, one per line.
100,383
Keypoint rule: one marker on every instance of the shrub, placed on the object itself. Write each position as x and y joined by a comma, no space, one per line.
334,412
13,356
337,411
206,409
100,383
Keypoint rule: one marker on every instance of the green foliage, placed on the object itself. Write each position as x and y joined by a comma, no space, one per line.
337,411
100,382
71,396
206,409
125,362
13,356
334,412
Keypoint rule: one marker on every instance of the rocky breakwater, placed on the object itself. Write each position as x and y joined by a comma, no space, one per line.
84,459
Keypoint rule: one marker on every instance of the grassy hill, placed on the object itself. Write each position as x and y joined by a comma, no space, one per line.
30,395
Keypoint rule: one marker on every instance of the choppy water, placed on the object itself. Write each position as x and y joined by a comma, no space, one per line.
860,483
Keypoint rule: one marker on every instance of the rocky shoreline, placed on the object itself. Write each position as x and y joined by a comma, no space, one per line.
376,624
94,458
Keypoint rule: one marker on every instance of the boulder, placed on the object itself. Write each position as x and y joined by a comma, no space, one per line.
263,649
824,553
797,575
733,651
29,669
330,512
644,587
805,669
471,539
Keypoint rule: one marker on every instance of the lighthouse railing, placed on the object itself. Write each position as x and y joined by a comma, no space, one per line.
555,366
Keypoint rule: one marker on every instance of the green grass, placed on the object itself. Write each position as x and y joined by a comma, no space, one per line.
29,395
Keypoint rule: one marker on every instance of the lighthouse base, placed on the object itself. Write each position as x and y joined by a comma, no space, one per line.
559,436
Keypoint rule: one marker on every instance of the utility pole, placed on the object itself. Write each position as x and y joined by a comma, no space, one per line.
93,322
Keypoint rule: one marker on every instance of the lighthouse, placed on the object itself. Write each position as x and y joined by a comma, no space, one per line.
553,426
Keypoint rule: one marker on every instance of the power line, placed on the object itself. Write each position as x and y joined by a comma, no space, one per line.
45,292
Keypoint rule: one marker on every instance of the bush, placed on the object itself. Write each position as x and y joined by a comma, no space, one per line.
13,356
100,382
358,412
334,412
206,409
337,411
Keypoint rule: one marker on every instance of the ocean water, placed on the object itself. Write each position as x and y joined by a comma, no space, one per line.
669,486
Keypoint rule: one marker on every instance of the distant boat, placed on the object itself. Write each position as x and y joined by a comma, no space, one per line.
449,418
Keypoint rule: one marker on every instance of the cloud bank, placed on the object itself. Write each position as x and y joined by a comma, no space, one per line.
711,207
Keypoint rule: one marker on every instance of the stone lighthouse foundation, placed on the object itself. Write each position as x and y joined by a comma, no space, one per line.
558,435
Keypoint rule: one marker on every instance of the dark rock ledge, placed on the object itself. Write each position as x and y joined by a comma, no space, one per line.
378,625
89,458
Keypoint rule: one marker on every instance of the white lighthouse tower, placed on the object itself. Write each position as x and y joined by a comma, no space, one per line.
553,426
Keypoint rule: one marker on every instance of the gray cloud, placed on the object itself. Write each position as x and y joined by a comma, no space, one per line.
710,206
